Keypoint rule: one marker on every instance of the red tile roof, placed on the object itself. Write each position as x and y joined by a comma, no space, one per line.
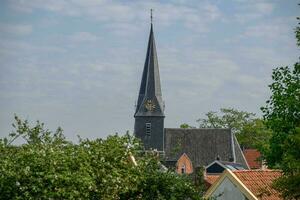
210,179
259,182
252,156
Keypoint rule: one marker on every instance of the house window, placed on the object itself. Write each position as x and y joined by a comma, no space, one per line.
183,169
148,129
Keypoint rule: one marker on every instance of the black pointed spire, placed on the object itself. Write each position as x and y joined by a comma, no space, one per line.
149,114
150,101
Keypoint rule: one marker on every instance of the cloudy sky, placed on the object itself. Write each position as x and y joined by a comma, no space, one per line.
78,63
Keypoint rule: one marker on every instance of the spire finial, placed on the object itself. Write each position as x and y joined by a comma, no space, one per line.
151,17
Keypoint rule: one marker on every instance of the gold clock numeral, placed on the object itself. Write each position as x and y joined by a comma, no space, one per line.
149,105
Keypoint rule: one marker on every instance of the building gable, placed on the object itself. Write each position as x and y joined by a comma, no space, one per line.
184,165
228,191
215,168
254,184
220,186
218,166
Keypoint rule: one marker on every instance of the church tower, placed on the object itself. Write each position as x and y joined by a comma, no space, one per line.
149,114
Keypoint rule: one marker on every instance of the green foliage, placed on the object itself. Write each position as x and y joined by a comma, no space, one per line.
255,134
229,118
48,166
289,184
251,132
297,31
282,113
185,125
163,186
200,180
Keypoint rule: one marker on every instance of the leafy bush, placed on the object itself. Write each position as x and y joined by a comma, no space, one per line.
47,166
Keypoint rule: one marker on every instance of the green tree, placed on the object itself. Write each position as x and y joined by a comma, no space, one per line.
297,31
250,131
228,118
289,183
47,166
282,113
185,125
255,134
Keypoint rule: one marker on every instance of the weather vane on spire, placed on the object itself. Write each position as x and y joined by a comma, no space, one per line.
151,17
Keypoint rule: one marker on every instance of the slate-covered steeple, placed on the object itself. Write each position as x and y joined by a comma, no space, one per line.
149,113
150,89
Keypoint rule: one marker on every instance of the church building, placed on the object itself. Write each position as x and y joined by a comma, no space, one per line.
183,149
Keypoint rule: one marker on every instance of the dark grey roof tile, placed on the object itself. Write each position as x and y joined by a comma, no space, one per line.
202,145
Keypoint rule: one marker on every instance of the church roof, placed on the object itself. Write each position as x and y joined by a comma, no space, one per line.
150,88
203,145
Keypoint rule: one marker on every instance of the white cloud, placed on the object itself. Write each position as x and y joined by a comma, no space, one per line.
268,32
251,83
83,37
197,18
123,29
264,7
278,31
212,11
264,59
196,69
12,48
16,29
253,10
29,6
201,71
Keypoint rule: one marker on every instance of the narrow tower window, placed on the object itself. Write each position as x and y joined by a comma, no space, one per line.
148,129
183,169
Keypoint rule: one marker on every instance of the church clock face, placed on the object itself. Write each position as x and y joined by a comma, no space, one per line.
149,105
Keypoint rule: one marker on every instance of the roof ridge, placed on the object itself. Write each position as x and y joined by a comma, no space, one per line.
259,170
198,128
251,150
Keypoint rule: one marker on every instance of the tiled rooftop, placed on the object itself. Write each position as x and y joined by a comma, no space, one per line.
259,182
210,179
252,156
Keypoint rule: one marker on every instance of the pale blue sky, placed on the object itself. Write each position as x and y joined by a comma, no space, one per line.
78,63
